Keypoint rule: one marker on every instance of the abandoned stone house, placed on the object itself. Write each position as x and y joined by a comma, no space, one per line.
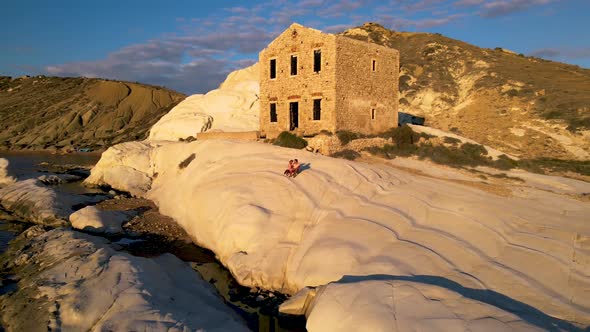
312,81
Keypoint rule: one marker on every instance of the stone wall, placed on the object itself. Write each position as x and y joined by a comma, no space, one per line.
349,89
304,87
237,135
361,90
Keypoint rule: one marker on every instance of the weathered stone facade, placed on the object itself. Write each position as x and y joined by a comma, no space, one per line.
356,84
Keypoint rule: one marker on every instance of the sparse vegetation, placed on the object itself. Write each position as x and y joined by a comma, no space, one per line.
289,140
543,165
505,163
346,154
506,176
435,63
45,112
465,155
347,136
451,140
403,135
405,144
326,132
472,155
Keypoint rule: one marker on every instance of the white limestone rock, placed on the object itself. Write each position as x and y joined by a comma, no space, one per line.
37,203
125,167
94,220
78,282
299,303
232,107
398,305
340,218
4,177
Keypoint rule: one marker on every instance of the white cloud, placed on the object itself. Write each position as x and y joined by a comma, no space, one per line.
505,7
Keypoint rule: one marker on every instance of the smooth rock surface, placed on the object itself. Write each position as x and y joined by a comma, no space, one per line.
232,107
395,305
33,201
94,220
72,281
340,218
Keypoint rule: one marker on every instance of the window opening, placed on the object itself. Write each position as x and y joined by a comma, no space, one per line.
293,65
273,112
373,114
293,115
374,65
317,61
273,68
317,109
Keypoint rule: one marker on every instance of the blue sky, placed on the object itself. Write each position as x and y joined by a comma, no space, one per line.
190,46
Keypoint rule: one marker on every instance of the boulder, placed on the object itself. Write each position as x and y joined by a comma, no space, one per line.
95,220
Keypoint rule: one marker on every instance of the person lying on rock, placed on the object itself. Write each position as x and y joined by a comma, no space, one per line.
296,167
289,169
293,169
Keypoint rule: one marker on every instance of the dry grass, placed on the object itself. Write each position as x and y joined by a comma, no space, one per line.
484,93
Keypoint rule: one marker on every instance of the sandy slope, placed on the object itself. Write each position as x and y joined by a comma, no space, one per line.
341,218
232,107
54,112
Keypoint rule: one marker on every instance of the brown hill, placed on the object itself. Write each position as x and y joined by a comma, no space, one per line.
55,112
525,106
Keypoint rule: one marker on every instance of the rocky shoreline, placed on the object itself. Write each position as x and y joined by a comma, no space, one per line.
147,235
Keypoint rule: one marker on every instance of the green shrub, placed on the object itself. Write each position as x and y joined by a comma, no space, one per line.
451,140
376,37
391,151
504,163
289,140
448,156
403,135
346,154
326,132
347,136
474,150
555,165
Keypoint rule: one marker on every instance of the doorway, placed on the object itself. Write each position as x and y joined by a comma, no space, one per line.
293,115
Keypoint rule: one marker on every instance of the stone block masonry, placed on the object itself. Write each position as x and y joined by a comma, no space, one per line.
312,81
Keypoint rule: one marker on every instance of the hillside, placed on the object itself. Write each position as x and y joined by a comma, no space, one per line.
524,106
54,112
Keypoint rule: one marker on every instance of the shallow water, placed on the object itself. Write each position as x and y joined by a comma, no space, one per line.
8,231
25,165
5,236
